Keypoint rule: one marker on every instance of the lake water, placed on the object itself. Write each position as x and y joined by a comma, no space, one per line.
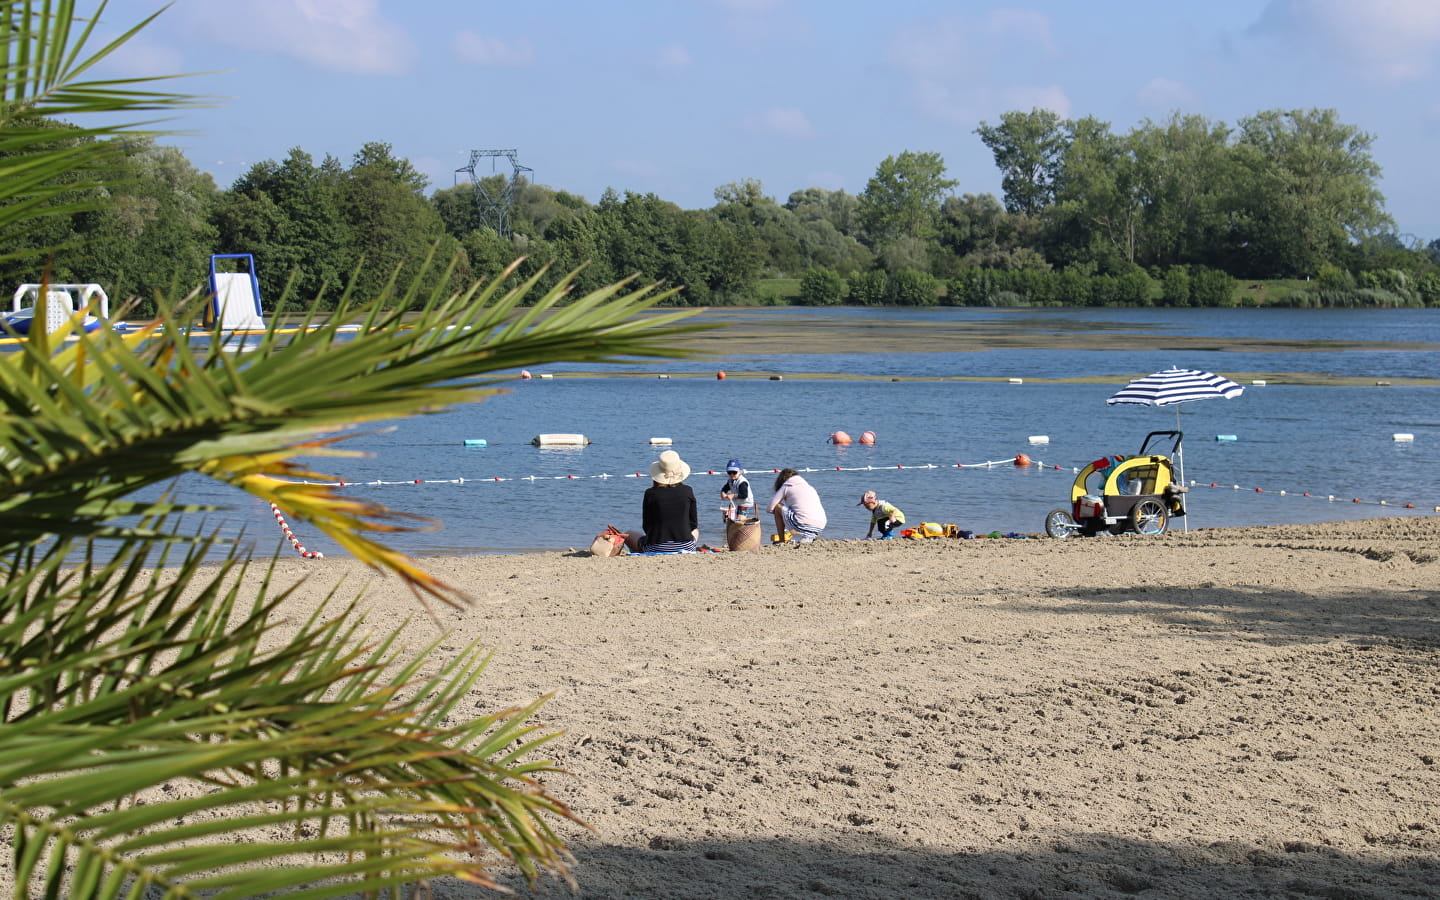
510,496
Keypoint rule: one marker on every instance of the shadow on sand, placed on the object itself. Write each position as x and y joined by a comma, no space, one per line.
1084,865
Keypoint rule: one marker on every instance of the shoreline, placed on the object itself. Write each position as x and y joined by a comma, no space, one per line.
1224,712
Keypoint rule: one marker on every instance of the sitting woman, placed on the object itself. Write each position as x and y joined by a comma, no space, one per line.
669,515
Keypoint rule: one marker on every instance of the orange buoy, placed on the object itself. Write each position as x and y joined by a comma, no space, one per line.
1022,460
867,438
720,376
840,438
525,374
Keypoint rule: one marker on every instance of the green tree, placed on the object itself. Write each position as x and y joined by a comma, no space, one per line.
1211,287
128,666
1175,287
1311,187
911,288
288,216
391,223
869,288
1028,149
1185,177
1099,199
902,198
821,287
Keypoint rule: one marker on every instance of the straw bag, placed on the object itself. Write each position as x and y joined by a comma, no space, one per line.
743,535
610,542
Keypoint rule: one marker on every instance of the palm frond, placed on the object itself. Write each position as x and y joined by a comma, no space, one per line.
144,677
108,415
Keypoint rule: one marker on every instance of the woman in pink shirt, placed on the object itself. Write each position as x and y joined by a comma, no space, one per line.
797,508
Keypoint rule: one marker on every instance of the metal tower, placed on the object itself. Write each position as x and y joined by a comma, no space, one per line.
495,207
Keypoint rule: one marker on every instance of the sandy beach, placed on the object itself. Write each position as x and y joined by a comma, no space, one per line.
1219,713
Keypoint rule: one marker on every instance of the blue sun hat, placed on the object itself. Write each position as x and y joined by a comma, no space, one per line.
733,466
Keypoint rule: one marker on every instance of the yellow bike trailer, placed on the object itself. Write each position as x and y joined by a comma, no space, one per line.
1116,494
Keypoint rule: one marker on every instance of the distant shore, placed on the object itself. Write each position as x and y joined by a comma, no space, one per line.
1228,712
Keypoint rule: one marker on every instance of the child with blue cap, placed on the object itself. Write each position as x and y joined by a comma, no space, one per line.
736,493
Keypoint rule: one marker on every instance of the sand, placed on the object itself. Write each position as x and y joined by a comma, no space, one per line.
1220,713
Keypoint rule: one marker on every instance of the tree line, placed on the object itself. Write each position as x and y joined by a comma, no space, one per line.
1172,213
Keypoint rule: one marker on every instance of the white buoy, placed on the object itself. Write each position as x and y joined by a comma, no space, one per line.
560,440
1404,437
1259,381
475,442
1017,381
1226,437
546,375
1039,439
662,376
661,441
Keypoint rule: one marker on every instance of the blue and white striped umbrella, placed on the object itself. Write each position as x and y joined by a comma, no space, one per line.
1177,386
1173,387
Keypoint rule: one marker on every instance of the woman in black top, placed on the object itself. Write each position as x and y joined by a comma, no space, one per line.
669,515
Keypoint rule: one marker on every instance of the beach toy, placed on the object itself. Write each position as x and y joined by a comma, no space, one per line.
840,438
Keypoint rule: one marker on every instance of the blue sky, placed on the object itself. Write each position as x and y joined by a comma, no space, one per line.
680,97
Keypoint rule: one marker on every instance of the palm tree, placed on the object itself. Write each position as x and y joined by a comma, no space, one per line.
154,737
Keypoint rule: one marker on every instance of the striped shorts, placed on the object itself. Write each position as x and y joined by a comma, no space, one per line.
668,547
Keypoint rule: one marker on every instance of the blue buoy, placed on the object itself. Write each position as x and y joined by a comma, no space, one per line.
475,442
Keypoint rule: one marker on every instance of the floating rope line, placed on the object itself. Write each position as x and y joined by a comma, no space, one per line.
1328,498
1008,461
285,527
988,464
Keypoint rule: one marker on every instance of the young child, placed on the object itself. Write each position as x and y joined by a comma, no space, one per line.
736,492
885,516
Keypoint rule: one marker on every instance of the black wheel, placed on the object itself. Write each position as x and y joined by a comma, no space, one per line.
1059,523
1149,517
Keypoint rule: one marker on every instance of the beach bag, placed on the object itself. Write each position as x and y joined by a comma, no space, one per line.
610,542
744,535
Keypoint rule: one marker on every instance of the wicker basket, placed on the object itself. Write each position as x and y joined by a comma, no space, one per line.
743,535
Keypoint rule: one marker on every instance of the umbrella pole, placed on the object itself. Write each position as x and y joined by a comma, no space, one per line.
1185,524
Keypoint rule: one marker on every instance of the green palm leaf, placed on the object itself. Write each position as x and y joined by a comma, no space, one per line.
151,710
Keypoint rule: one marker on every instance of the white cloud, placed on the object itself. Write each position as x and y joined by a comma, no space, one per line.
1026,25
673,58
1028,97
487,51
141,58
959,65
338,35
831,181
783,121
1391,40
1163,93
